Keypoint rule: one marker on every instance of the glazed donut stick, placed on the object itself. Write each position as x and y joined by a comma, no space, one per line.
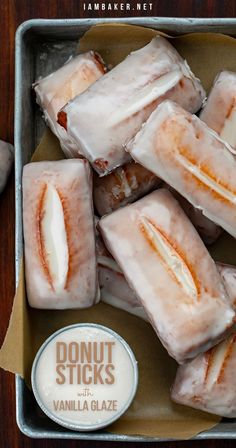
114,288
56,89
116,292
105,117
159,250
208,382
124,185
6,160
180,149
60,259
219,112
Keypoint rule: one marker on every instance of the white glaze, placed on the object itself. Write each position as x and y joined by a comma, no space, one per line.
105,117
173,261
56,89
55,238
146,96
183,151
205,179
186,324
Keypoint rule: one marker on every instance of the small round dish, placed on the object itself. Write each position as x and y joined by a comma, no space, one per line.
84,377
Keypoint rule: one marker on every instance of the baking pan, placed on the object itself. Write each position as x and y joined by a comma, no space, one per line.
36,53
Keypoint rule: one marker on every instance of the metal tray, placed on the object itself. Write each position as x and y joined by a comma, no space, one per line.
37,45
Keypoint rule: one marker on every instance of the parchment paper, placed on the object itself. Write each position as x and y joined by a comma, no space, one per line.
152,413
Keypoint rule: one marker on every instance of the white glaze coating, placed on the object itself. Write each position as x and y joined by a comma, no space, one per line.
54,235
56,89
105,117
189,156
60,259
187,323
219,112
6,160
209,382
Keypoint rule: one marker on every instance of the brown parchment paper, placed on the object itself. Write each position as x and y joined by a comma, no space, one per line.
152,413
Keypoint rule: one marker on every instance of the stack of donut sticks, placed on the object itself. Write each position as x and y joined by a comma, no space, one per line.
163,182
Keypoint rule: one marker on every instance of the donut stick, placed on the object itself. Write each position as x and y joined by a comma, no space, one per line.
105,117
56,89
180,149
124,185
60,261
159,250
208,382
116,292
219,112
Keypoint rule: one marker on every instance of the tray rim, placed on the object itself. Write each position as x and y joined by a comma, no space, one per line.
189,24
